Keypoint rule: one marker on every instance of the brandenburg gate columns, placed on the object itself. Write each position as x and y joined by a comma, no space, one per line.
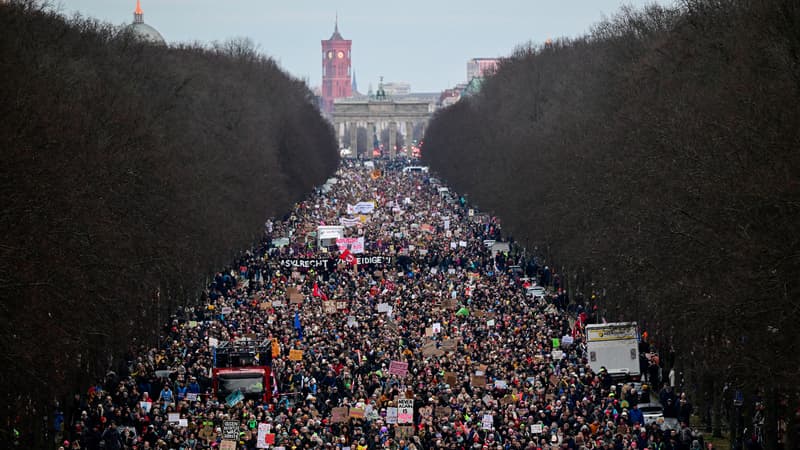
393,139
353,126
409,137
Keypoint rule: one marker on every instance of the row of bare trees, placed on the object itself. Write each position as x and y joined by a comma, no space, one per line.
129,173
655,162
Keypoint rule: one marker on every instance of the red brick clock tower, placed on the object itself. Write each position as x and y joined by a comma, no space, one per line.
336,75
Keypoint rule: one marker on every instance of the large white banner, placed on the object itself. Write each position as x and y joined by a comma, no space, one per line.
349,222
361,208
355,245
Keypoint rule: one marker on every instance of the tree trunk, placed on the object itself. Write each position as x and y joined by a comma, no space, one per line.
716,416
770,420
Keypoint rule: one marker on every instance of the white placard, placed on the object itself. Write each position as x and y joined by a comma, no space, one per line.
391,414
488,422
405,410
263,431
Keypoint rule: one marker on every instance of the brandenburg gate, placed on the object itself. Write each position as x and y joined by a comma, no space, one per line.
377,114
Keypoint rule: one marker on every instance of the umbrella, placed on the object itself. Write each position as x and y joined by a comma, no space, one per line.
462,312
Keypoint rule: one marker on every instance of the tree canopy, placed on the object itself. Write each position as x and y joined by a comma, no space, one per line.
130,172
654,161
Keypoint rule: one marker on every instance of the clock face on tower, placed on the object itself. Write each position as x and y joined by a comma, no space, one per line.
340,55
330,55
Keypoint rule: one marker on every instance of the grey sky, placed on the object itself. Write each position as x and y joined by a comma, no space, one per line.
424,42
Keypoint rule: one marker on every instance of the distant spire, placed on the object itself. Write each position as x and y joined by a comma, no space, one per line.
138,15
355,85
336,36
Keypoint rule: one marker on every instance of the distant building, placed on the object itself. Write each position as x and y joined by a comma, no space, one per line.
397,88
481,67
336,75
143,30
473,87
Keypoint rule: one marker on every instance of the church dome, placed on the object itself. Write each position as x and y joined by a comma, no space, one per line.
147,33
142,30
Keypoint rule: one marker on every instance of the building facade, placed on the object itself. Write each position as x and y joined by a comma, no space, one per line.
481,67
336,69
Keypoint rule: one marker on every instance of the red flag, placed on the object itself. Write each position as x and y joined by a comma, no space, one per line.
348,257
318,293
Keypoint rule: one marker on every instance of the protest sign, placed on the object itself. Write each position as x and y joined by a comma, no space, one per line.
391,414
234,398
339,415
443,411
404,431
478,380
227,444
295,355
230,429
356,413
263,430
450,345
405,410
355,245
398,368
488,422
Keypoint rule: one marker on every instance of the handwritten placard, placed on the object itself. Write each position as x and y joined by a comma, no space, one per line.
391,414
339,415
295,355
405,410
478,380
398,368
356,413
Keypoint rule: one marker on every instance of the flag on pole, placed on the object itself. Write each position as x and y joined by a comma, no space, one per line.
318,293
298,326
348,257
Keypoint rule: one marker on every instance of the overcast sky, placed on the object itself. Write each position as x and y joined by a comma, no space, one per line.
423,42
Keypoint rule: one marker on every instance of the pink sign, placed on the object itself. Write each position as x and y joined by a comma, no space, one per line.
398,368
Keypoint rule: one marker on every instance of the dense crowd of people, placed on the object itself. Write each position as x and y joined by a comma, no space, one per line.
441,320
